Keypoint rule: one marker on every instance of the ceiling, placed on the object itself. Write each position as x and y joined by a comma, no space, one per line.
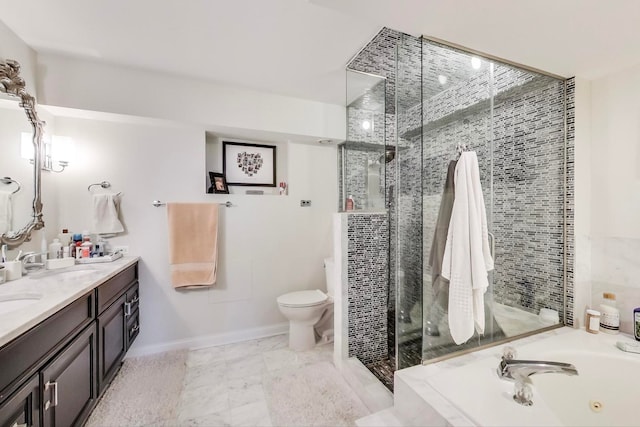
300,47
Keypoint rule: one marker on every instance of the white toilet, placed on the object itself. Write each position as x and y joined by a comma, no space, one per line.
306,309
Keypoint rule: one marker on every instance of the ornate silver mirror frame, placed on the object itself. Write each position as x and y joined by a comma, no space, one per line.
12,84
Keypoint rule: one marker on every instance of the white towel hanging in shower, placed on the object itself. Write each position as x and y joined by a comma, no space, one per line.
467,257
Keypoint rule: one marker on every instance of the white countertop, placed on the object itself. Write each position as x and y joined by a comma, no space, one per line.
58,288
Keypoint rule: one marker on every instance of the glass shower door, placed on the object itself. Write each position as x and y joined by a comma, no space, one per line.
457,100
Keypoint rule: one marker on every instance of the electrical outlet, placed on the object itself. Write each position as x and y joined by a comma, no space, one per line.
305,203
121,248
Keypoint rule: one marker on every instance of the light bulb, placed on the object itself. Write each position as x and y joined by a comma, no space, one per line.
442,79
476,63
366,124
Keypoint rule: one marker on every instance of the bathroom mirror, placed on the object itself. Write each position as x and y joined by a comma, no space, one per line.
26,213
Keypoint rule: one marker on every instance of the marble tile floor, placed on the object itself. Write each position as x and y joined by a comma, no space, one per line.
225,385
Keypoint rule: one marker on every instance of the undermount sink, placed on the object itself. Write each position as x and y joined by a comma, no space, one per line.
18,301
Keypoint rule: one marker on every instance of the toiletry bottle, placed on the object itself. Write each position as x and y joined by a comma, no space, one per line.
86,246
592,325
76,250
65,237
54,249
351,204
636,323
610,315
44,248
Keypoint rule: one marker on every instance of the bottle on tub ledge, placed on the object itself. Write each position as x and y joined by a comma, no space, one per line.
609,314
350,203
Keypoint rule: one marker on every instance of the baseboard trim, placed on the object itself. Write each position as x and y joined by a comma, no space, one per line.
195,343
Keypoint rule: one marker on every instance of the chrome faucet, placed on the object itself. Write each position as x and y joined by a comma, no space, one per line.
512,369
520,371
28,262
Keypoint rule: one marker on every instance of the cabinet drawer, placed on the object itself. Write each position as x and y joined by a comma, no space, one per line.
111,290
133,328
21,357
133,300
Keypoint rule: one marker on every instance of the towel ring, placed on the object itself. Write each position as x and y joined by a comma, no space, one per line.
8,180
103,184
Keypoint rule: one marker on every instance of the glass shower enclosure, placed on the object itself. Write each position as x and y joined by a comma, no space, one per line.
436,102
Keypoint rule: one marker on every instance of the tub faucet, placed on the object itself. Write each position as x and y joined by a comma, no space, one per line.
512,369
520,371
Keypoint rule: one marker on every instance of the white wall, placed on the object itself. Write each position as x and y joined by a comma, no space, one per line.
615,183
268,244
13,47
87,85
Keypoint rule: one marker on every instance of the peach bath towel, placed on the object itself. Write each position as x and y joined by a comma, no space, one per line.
193,244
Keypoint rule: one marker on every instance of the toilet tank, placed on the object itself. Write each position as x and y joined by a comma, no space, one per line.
330,274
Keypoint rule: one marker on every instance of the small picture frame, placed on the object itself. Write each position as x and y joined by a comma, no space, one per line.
249,164
218,183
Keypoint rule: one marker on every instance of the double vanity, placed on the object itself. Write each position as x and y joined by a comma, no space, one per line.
63,336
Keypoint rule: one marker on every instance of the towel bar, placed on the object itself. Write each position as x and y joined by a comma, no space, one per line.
158,203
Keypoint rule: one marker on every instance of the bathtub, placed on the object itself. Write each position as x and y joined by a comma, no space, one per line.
468,392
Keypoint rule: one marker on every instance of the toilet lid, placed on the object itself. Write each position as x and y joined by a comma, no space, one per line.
302,298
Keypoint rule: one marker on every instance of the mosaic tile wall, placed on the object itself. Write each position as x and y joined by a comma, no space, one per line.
367,271
570,243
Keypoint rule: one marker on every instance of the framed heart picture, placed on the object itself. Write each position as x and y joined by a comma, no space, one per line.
249,164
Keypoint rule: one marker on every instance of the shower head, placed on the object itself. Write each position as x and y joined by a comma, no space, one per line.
388,155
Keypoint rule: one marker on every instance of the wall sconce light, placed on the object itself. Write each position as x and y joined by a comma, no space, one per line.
56,150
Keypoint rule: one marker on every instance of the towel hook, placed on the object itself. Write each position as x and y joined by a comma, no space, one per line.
8,180
103,184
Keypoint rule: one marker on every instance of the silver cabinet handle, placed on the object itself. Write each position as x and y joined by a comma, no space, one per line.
19,425
135,300
134,330
51,403
127,309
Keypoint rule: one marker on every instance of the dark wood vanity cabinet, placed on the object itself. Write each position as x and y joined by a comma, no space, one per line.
53,374
115,303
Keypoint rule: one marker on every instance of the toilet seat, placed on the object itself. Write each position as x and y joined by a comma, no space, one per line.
303,298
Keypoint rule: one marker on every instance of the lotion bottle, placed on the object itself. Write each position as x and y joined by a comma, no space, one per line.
609,314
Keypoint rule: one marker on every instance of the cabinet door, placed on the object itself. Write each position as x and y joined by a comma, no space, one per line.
112,339
69,382
22,408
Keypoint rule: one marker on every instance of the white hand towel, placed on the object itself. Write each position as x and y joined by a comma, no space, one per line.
6,211
467,257
106,207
